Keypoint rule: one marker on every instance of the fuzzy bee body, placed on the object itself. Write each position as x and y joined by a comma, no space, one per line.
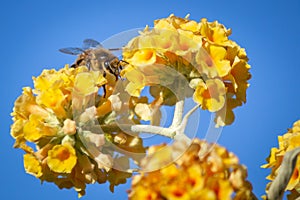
96,57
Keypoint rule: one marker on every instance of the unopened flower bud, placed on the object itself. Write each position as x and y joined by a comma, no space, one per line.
68,139
69,127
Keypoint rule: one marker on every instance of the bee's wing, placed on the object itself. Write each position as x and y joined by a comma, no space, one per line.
88,43
72,50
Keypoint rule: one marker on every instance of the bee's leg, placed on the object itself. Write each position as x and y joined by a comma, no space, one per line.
113,70
73,65
127,63
104,74
120,65
104,91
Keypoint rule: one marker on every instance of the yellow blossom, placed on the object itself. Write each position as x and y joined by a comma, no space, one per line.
225,116
26,105
196,50
240,72
287,142
17,128
192,177
48,79
191,25
87,83
210,95
58,122
35,128
137,81
50,119
62,158
214,32
164,24
32,165
205,64
218,55
143,57
54,99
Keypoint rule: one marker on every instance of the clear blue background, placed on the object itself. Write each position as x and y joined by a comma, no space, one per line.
32,31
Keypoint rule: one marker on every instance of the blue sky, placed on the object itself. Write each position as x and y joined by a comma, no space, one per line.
33,31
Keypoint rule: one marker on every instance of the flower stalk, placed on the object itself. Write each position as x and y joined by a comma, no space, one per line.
178,112
167,132
285,172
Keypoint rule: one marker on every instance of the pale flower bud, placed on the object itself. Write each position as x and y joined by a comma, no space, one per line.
69,127
89,114
116,102
68,139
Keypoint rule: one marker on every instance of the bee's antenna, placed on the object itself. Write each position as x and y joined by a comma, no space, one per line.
115,49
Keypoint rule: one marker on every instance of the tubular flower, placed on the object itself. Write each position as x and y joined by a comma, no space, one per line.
210,95
32,165
62,158
57,124
180,47
286,142
204,171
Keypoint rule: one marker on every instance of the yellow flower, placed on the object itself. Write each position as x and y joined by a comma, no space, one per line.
210,95
172,22
204,171
164,24
50,119
54,99
26,105
62,158
16,129
287,142
214,32
240,73
35,128
32,165
191,25
163,40
143,57
197,51
136,80
186,46
205,64
225,116
48,79
87,83
218,55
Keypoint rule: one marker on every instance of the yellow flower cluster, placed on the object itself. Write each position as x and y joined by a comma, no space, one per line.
53,124
204,171
214,66
287,142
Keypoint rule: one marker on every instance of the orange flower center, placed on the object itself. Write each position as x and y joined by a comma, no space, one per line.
63,155
178,193
191,181
206,94
148,55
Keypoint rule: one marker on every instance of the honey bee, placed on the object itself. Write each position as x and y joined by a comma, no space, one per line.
96,57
